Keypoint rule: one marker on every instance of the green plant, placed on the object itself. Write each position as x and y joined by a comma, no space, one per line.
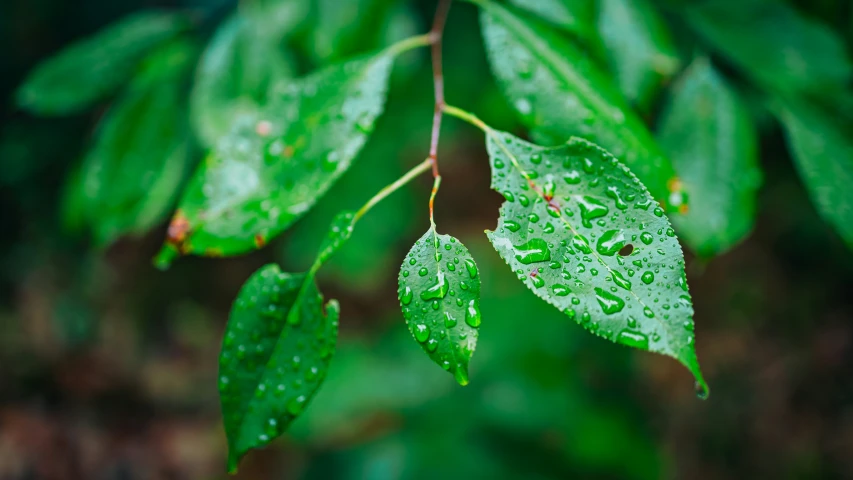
585,222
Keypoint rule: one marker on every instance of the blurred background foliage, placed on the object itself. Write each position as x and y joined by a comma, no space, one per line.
108,366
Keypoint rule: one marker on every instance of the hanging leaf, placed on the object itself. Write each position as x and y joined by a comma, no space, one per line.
559,92
581,231
274,166
277,348
242,62
95,67
132,173
712,142
440,297
639,49
823,154
575,16
774,44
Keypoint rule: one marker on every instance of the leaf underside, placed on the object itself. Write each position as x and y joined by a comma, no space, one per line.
581,231
559,92
439,292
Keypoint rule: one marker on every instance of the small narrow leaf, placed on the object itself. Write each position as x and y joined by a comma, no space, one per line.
238,69
277,348
95,67
823,154
639,48
275,354
582,233
559,92
712,142
273,166
440,297
132,173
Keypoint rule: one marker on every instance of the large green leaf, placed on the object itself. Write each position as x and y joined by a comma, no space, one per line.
774,44
132,173
273,166
581,231
575,16
276,351
712,142
559,92
242,62
95,67
342,29
823,153
638,47
440,297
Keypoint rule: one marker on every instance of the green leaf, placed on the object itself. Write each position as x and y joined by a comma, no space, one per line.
774,44
343,29
275,355
823,154
581,231
276,351
639,49
712,142
559,92
239,67
575,16
132,173
440,297
273,166
95,67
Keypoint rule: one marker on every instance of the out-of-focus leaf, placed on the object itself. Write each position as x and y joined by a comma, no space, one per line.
440,297
242,62
274,166
638,47
582,232
576,16
709,136
773,44
343,29
95,67
132,172
559,92
276,351
823,153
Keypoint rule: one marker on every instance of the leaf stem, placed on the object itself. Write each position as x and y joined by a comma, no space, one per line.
410,44
435,184
437,33
467,116
391,188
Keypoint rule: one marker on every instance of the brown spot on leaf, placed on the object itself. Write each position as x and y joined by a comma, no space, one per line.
179,229
260,241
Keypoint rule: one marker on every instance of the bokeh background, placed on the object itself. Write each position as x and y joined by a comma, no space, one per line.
108,366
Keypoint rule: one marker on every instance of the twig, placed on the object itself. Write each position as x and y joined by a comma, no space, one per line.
437,32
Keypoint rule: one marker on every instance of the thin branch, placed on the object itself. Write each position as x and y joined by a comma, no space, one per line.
437,32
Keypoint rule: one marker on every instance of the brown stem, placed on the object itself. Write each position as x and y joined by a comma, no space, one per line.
437,32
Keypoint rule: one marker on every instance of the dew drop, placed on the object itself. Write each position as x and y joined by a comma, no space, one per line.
535,250
609,303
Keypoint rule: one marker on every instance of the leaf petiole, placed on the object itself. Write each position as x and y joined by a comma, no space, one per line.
467,116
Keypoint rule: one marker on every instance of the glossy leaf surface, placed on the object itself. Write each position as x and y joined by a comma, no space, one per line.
774,44
130,177
241,64
95,67
559,92
439,292
639,48
709,136
581,231
823,154
273,166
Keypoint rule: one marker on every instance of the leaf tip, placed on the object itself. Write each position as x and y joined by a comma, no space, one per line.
233,461
461,375
163,260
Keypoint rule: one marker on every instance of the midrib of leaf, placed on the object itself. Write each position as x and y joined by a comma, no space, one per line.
439,272
538,191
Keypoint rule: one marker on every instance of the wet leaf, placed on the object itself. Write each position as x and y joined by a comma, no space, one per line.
241,64
93,68
440,297
131,175
581,231
277,348
575,16
712,142
273,166
559,92
639,48
823,154
774,44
